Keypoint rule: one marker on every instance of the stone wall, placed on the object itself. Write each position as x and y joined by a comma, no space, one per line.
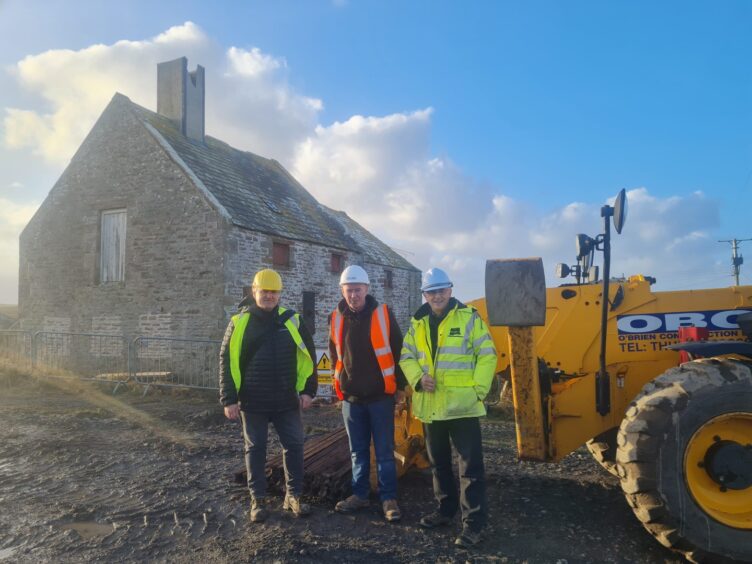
310,271
186,267
174,242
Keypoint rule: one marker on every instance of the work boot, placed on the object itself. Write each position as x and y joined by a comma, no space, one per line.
298,508
392,511
352,503
468,538
433,520
259,513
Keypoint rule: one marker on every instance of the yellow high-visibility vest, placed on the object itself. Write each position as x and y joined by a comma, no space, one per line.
304,360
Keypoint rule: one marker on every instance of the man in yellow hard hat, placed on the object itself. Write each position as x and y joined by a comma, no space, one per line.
267,374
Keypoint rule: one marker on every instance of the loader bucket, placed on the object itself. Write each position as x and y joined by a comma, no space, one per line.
516,292
516,298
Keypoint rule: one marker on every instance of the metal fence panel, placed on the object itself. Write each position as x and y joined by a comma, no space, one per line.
86,356
15,350
185,363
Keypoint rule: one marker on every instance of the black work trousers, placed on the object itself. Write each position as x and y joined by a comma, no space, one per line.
464,434
289,427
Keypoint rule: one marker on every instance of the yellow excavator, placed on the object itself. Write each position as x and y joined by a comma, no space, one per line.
598,363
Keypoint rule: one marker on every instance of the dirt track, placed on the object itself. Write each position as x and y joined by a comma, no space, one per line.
86,476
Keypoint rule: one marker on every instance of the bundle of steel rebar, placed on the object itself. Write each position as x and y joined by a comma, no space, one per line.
326,467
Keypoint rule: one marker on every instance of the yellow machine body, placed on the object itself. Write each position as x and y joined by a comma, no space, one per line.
641,323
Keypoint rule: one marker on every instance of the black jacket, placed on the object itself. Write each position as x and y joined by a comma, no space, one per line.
361,379
268,364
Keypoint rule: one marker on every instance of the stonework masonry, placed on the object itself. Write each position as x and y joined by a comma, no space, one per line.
174,240
186,264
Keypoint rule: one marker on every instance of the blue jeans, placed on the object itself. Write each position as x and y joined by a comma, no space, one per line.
363,421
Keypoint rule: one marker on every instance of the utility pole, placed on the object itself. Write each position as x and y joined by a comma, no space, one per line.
736,259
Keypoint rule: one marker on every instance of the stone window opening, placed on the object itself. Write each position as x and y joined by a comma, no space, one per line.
281,254
337,263
112,246
388,279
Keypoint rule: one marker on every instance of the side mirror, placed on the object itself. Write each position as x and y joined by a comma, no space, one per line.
620,210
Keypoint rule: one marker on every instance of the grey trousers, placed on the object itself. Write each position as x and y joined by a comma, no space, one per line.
289,427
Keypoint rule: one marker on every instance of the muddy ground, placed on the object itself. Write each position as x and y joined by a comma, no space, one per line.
86,476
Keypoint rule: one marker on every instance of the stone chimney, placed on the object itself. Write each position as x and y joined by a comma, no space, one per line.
180,96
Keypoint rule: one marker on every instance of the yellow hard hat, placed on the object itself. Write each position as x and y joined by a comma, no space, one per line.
268,279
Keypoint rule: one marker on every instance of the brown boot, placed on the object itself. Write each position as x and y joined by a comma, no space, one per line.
352,503
392,511
298,508
259,513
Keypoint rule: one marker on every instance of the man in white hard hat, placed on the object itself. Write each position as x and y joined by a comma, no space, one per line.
449,359
364,344
267,374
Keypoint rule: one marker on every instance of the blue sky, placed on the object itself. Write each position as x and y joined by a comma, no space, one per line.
509,123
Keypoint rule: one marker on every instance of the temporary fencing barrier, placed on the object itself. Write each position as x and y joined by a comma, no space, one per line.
145,360
84,356
15,349
184,363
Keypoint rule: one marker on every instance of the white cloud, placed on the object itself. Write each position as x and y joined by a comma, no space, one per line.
379,169
381,172
13,218
249,103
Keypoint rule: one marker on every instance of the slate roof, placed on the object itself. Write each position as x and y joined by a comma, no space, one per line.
261,195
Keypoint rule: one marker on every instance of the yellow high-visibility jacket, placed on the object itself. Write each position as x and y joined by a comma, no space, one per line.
464,364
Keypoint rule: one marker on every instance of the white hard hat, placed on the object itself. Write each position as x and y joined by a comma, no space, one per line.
353,274
435,279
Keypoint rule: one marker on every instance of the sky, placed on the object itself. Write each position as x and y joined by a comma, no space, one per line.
454,131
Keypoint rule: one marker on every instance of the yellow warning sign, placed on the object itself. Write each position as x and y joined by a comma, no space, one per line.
324,369
324,363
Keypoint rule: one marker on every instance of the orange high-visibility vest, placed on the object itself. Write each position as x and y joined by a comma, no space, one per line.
379,340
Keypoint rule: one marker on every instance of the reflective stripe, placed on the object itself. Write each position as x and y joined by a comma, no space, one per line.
421,355
451,350
468,331
389,371
383,350
487,351
382,326
339,320
410,347
479,341
452,365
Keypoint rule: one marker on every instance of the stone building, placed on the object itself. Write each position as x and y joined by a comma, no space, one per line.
156,229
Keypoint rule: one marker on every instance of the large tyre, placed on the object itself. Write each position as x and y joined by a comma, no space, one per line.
603,449
684,458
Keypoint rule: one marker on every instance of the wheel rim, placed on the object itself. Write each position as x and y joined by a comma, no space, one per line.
718,469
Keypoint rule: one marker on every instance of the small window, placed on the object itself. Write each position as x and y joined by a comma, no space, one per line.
112,246
388,279
281,254
338,262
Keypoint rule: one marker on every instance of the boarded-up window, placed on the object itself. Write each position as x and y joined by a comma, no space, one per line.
309,311
338,262
281,254
112,246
